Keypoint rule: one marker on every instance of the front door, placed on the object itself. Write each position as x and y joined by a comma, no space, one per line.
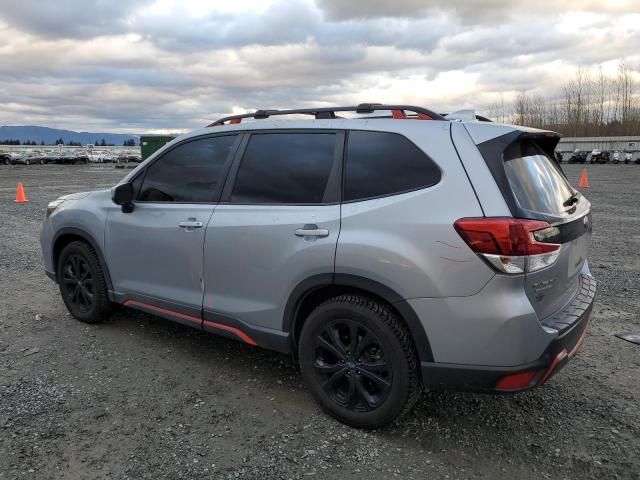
155,252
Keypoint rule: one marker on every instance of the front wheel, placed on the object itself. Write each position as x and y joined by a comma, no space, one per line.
359,361
82,283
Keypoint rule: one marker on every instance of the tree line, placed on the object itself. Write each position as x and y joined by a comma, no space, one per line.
18,142
589,104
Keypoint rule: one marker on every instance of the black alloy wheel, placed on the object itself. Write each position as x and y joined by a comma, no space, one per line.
352,366
78,283
359,361
82,283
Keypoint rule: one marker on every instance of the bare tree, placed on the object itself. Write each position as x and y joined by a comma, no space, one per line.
585,105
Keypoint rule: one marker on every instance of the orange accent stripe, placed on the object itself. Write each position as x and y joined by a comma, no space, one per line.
400,115
246,338
561,356
581,341
239,333
163,310
553,365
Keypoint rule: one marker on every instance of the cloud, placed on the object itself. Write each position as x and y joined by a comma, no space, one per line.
170,65
70,18
477,11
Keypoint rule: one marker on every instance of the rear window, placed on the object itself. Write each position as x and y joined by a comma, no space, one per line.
536,182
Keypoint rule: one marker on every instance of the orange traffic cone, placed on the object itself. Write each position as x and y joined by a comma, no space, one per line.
20,196
584,181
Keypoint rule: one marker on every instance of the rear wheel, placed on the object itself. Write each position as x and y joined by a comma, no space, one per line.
359,361
82,283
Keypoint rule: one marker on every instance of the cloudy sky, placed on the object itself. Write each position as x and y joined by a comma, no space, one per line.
173,65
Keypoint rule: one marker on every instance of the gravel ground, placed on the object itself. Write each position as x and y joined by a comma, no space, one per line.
141,397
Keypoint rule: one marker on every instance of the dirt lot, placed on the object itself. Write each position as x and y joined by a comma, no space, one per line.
140,397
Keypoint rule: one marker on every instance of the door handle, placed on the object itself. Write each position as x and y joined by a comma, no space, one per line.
311,230
190,224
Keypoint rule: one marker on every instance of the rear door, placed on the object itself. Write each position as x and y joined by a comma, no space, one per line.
155,252
277,224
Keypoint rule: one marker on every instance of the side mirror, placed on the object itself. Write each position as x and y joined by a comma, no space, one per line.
123,195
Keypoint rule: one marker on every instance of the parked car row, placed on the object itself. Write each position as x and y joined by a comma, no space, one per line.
39,157
597,156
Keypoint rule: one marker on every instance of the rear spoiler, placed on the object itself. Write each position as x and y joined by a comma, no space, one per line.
547,141
492,151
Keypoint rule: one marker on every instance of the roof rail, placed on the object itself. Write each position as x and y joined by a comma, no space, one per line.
398,111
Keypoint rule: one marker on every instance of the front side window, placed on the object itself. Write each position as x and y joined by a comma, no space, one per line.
381,163
290,168
188,173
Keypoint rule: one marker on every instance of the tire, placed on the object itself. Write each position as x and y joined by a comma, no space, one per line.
79,262
377,380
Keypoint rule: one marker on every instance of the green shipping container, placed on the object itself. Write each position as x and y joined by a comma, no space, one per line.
151,143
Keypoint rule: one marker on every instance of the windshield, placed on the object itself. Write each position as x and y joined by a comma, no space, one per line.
536,182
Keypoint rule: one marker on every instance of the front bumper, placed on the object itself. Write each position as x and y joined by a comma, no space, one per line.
572,322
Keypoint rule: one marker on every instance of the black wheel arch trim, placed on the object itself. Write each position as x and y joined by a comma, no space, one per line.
87,237
314,283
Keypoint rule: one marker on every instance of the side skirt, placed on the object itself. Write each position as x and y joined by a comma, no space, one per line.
263,337
216,323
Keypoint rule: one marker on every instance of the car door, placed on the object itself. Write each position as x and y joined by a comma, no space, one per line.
155,252
277,225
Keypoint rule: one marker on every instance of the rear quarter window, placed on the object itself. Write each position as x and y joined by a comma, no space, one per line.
382,163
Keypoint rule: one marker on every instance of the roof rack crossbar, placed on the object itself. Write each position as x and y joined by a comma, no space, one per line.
330,112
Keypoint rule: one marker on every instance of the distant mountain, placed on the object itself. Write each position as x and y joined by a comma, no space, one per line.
50,135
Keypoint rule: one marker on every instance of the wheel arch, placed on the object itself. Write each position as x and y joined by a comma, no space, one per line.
315,290
66,235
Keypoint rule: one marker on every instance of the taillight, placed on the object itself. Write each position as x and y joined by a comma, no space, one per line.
510,245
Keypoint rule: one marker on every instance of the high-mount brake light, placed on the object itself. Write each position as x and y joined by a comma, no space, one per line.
510,245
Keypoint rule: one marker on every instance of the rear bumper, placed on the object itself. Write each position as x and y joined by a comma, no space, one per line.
575,320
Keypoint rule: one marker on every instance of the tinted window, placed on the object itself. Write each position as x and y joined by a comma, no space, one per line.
535,181
285,168
188,173
381,163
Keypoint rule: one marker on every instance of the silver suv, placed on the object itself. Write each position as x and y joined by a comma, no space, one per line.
388,251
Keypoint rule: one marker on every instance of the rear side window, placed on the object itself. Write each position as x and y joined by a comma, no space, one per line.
381,163
536,182
289,168
189,173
